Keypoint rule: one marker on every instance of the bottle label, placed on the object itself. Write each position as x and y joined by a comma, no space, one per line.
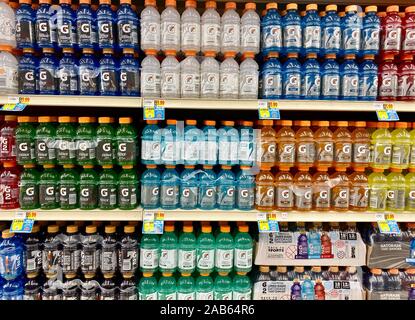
168,259
150,150
68,195
33,258
29,194
25,32
190,34
127,33
312,37
331,85
188,197
359,197
210,35
27,82
412,157
230,36
25,151
272,36
400,154
303,197
210,83
245,198
68,81
368,86
248,84
409,40
264,196
108,81
51,259
342,152
85,32
45,34
186,296
109,259
340,197
48,194
149,195
395,199
47,79
129,257
311,85
246,151
65,149
350,86
306,152
107,195
207,197
292,85
229,84
169,196
324,151
370,39
226,196
170,34
150,34
331,38
286,152
224,258
250,37
267,152
406,84
243,258
105,33
90,257
147,296
148,258
382,153
321,196
186,259
210,152
87,80
392,37
224,150
66,34
284,197
127,196
104,150
410,200
170,83
88,196
190,84
167,296
242,295
204,295
205,259
361,152
389,85
223,295
271,85
351,38
150,83
127,150
292,36
129,81
71,258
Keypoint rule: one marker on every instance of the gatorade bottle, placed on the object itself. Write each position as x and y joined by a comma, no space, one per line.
408,31
388,79
167,289
305,147
170,27
52,252
190,27
12,256
342,145
377,190
396,190
150,26
25,25
406,78
106,25
45,25
412,154
330,71
370,31
186,287
149,253
47,73
368,78
28,64
323,138
209,149
248,77
8,139
210,76
349,73
88,189
231,29
270,77
228,144
71,253
321,190
170,76
207,197
170,144
86,28
168,250
223,287
187,251
45,151
410,190
107,189
204,287
331,32
291,77
351,25
128,290
190,76
68,188
150,75
129,72
245,185
284,197
205,253
382,146
361,145
29,188
65,141
242,287
311,78
105,140
33,258
126,143
150,188
224,254
229,76
243,250
264,198
88,73
67,73
127,26
127,188
267,149
9,181
247,145
359,190
250,29
311,30
109,251
401,146
192,143
150,143
210,37
147,287
189,188
128,258
48,188
108,73
90,252
292,29
303,189
170,189
65,25
340,197
271,30
286,144
226,189
391,31
85,142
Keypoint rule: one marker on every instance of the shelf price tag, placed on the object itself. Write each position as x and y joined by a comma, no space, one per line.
23,222
153,222
386,112
267,222
268,109
154,109
15,104
389,225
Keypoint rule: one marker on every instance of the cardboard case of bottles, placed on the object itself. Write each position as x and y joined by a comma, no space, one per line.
339,248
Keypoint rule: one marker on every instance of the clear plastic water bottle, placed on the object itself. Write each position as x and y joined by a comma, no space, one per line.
108,74
368,78
292,29
349,78
168,250
331,32
189,188
150,187
187,251
330,76
207,197
11,256
209,73
149,253
127,26
370,41
9,66
311,80
250,29
193,138
230,29
245,189
129,74
150,75
271,30
88,73
150,26
170,76
170,144
190,76
86,27
291,77
150,143
186,287
170,27
351,25
247,144
47,73
45,25
311,26
210,21
248,77
229,77
106,25
28,65
67,73
190,27
25,25
170,189
209,149
270,78
66,25
226,189
228,144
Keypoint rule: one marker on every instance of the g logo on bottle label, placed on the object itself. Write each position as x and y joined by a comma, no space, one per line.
343,194
244,193
30,191
285,194
64,29
122,147
155,191
85,193
209,192
43,26
29,76
307,195
85,27
387,150
126,28
123,76
324,194
41,146
106,147
170,192
50,191
230,192
125,192
105,27
23,146
104,192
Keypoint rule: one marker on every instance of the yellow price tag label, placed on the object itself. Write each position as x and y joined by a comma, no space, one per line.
17,224
9,106
263,225
149,113
264,113
382,115
159,103
383,226
388,106
389,216
273,104
159,216
24,100
31,215
272,216
148,226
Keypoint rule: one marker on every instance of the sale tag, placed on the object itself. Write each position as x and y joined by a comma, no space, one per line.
13,107
154,109
389,225
153,222
268,110
23,222
267,222
386,112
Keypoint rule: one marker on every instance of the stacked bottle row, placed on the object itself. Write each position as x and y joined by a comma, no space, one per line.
391,280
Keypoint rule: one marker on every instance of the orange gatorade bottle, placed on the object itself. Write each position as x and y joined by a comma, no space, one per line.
305,148
340,194
264,197
284,196
321,190
361,145
342,145
286,144
323,138
267,144
359,190
303,189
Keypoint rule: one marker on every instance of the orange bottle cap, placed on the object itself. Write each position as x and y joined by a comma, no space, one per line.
311,6
392,9
383,125
190,4
371,9
230,5
286,123
271,5
331,7
292,6
210,4
401,125
191,122
342,123
292,55
171,122
323,123
229,123
250,6
209,123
